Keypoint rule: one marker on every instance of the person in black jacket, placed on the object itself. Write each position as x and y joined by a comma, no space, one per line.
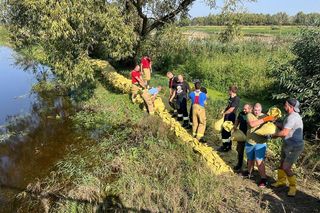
229,115
241,122
173,80
181,91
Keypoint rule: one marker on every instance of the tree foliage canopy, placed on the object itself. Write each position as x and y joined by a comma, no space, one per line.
67,32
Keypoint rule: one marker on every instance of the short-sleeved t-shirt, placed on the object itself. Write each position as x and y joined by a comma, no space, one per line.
233,102
294,122
153,91
172,82
252,137
243,125
145,61
134,75
182,89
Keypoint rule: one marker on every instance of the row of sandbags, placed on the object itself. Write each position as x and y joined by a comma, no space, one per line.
214,161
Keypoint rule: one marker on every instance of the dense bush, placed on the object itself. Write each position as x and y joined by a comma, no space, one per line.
300,78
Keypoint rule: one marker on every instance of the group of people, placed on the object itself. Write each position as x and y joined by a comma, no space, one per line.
248,121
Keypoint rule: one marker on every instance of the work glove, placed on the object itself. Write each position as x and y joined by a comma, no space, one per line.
268,118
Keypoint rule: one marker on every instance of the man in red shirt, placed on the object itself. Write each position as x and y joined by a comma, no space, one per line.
146,69
137,83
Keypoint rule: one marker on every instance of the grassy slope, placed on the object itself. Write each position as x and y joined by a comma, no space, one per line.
136,164
4,36
249,30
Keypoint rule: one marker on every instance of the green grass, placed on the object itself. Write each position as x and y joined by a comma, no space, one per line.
248,30
133,163
4,36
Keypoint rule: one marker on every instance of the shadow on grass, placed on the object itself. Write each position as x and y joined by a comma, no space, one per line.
113,203
110,203
277,200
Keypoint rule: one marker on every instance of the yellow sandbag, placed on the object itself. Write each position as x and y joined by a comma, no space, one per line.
214,161
238,135
266,129
217,126
228,126
275,112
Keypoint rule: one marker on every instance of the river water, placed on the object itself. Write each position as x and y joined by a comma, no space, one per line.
35,131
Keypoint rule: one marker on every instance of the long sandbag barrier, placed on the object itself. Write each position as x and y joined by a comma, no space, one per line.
119,82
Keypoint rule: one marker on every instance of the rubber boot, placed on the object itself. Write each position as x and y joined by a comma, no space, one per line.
229,145
224,147
186,124
282,179
292,186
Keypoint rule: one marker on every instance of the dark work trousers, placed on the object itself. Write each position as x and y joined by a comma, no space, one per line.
228,117
173,104
240,150
190,114
182,107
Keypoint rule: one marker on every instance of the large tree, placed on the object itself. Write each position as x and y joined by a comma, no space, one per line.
66,33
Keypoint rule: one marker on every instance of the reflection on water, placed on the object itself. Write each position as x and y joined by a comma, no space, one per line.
35,131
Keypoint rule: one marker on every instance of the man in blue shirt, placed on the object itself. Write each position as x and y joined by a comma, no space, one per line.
198,99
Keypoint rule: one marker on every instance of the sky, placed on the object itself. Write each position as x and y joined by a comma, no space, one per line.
291,7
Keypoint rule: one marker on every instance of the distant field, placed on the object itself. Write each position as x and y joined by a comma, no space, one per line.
248,30
4,36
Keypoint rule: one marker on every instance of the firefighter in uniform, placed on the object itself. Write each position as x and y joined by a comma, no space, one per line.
198,99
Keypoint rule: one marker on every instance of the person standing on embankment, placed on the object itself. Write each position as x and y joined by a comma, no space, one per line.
181,91
198,99
256,145
173,80
229,115
137,83
292,147
243,126
146,69
202,89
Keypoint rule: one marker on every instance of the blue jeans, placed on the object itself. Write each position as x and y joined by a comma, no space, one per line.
256,151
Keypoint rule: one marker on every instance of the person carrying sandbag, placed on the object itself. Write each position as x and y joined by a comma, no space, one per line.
181,91
173,80
241,122
137,83
229,115
292,147
149,97
198,100
256,145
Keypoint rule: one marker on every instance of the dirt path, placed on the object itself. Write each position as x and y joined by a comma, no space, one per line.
306,200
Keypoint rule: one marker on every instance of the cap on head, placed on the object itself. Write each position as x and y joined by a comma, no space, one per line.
294,103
